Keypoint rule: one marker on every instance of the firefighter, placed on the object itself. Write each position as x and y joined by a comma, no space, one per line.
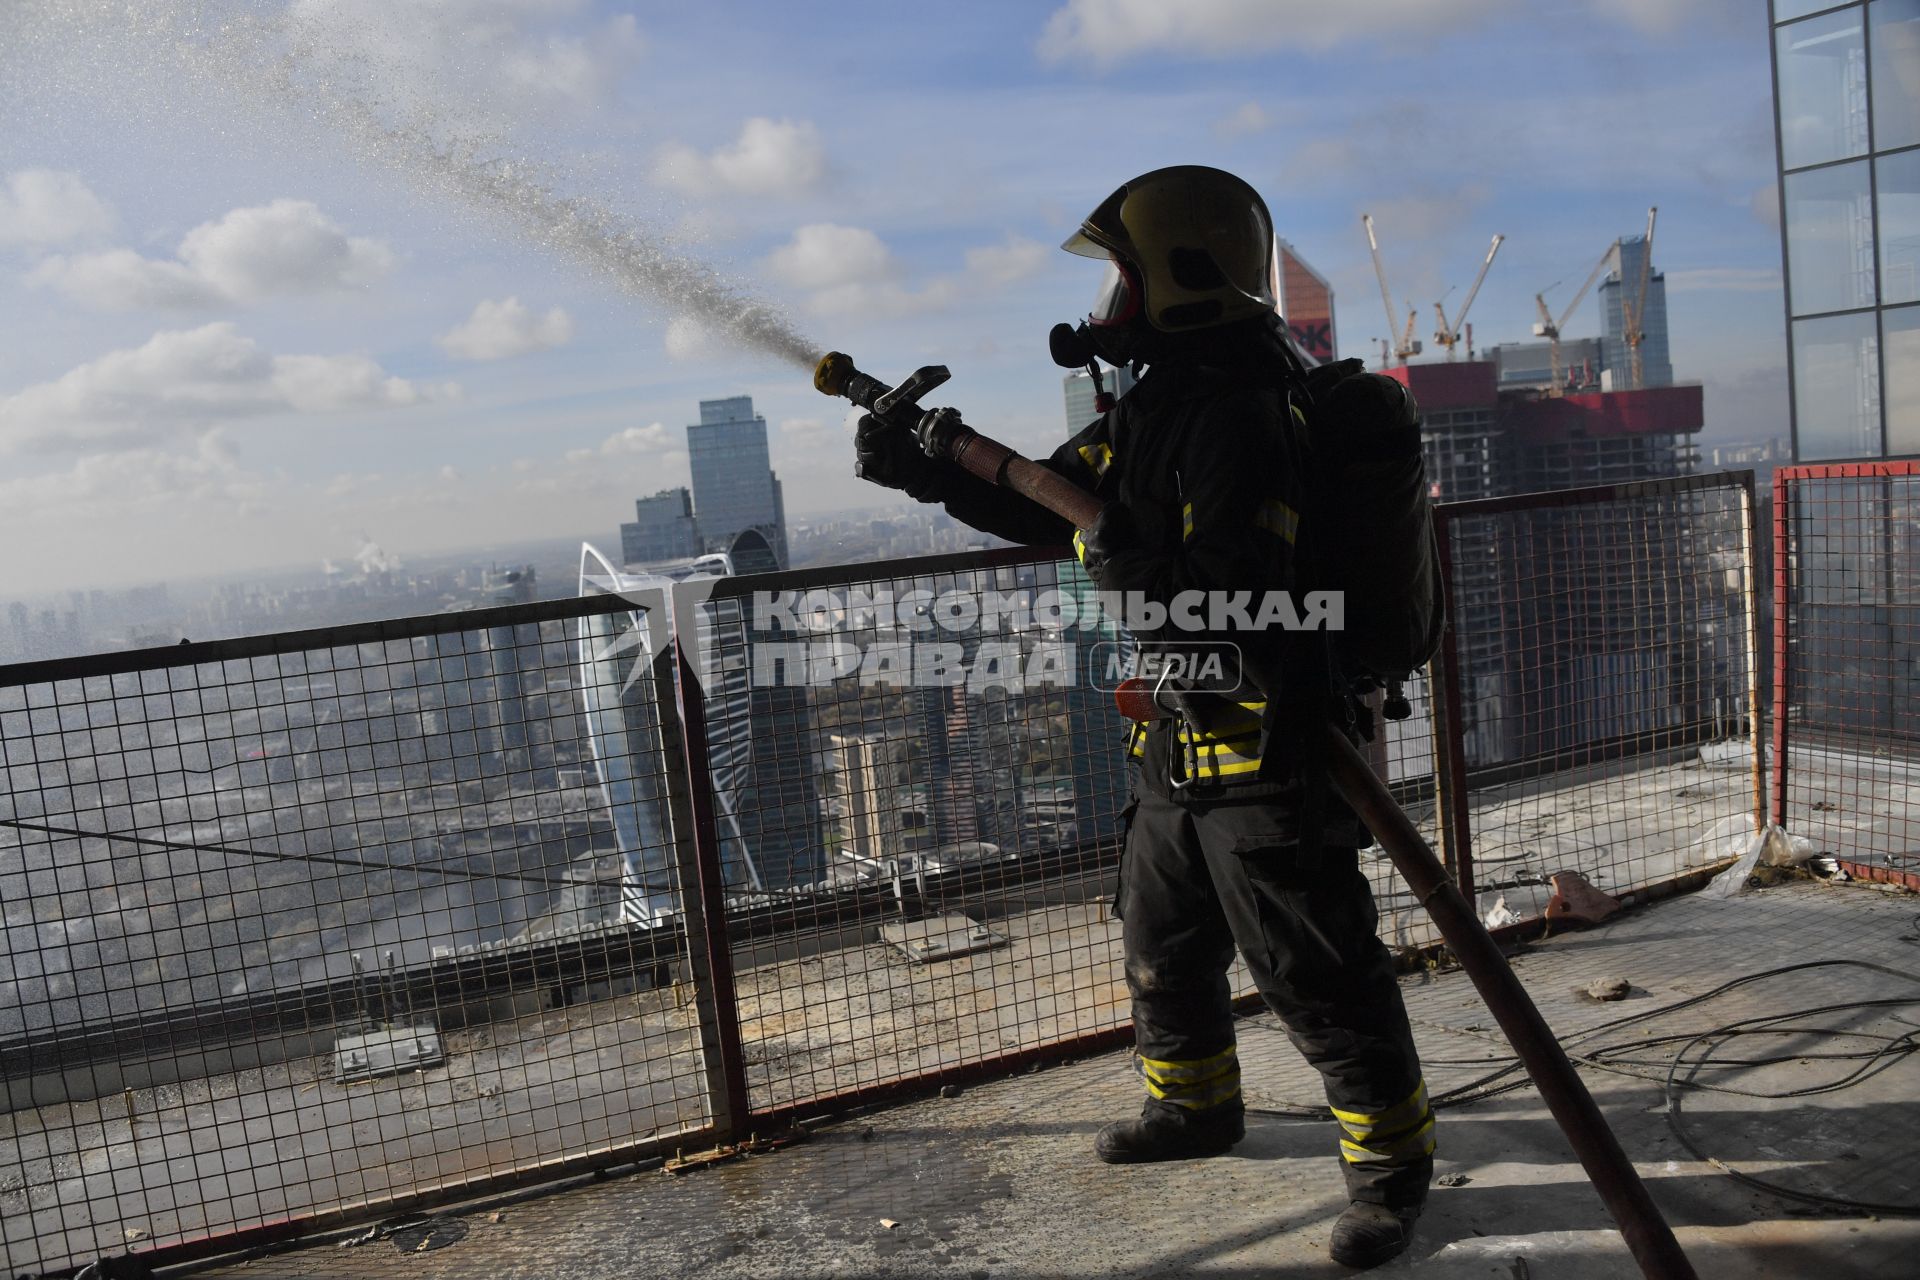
1233,837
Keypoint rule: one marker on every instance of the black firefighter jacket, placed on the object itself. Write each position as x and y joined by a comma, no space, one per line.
1209,467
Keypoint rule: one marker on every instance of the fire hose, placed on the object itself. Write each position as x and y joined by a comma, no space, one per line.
1641,1224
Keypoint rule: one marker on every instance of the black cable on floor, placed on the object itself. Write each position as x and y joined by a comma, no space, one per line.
1612,1058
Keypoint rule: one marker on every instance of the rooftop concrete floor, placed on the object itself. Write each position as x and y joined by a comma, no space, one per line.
241,1147
999,1181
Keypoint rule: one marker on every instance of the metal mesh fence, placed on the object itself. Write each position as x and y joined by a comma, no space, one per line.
917,786
1602,666
1847,686
314,922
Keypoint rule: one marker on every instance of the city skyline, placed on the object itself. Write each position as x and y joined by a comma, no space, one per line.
423,373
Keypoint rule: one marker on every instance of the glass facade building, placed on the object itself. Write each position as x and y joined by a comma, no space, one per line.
734,488
663,528
766,808
1656,365
1847,121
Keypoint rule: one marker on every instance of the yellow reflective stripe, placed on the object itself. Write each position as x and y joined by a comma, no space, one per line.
1136,741
1241,731
1299,414
1364,1124
1277,517
1186,522
1406,1147
1079,548
1098,457
1198,1099
1191,1069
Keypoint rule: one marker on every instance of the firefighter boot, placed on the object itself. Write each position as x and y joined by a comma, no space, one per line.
1366,1235
1166,1132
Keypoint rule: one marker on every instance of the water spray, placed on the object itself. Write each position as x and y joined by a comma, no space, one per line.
171,59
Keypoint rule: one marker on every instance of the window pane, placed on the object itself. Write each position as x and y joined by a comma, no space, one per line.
1902,330
1899,185
1836,388
1830,239
1823,89
1896,73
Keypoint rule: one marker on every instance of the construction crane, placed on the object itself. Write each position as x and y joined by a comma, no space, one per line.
1408,345
1634,316
1549,328
1448,334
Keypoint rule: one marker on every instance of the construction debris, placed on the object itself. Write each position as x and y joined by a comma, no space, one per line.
1609,988
1575,898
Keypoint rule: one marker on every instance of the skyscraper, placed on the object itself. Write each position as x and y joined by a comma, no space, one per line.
1847,121
734,488
1616,291
1306,302
663,528
1599,650
759,740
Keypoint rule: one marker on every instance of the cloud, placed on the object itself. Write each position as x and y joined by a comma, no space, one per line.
1724,280
122,280
182,379
284,248
42,207
1013,260
1765,204
1248,117
495,57
650,439
208,472
849,271
574,69
824,255
769,158
499,330
1110,31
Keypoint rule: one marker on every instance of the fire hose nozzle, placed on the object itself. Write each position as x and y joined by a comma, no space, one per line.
836,376
831,375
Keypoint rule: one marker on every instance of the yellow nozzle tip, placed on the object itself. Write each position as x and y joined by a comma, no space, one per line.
831,374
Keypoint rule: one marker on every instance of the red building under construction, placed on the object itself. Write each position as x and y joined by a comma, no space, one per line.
1567,641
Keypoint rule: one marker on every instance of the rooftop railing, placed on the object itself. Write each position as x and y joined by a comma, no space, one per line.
308,927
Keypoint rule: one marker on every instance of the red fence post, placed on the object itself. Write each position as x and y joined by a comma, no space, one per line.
1782,505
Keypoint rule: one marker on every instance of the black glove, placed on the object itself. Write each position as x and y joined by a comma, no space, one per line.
890,456
1112,532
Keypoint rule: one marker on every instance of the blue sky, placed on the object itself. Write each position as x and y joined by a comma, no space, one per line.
230,338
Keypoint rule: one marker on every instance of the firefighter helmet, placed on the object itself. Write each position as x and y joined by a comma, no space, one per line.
1189,247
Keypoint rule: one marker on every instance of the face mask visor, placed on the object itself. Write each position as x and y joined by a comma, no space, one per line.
1119,298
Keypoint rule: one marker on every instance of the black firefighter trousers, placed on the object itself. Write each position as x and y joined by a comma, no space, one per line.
1195,880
